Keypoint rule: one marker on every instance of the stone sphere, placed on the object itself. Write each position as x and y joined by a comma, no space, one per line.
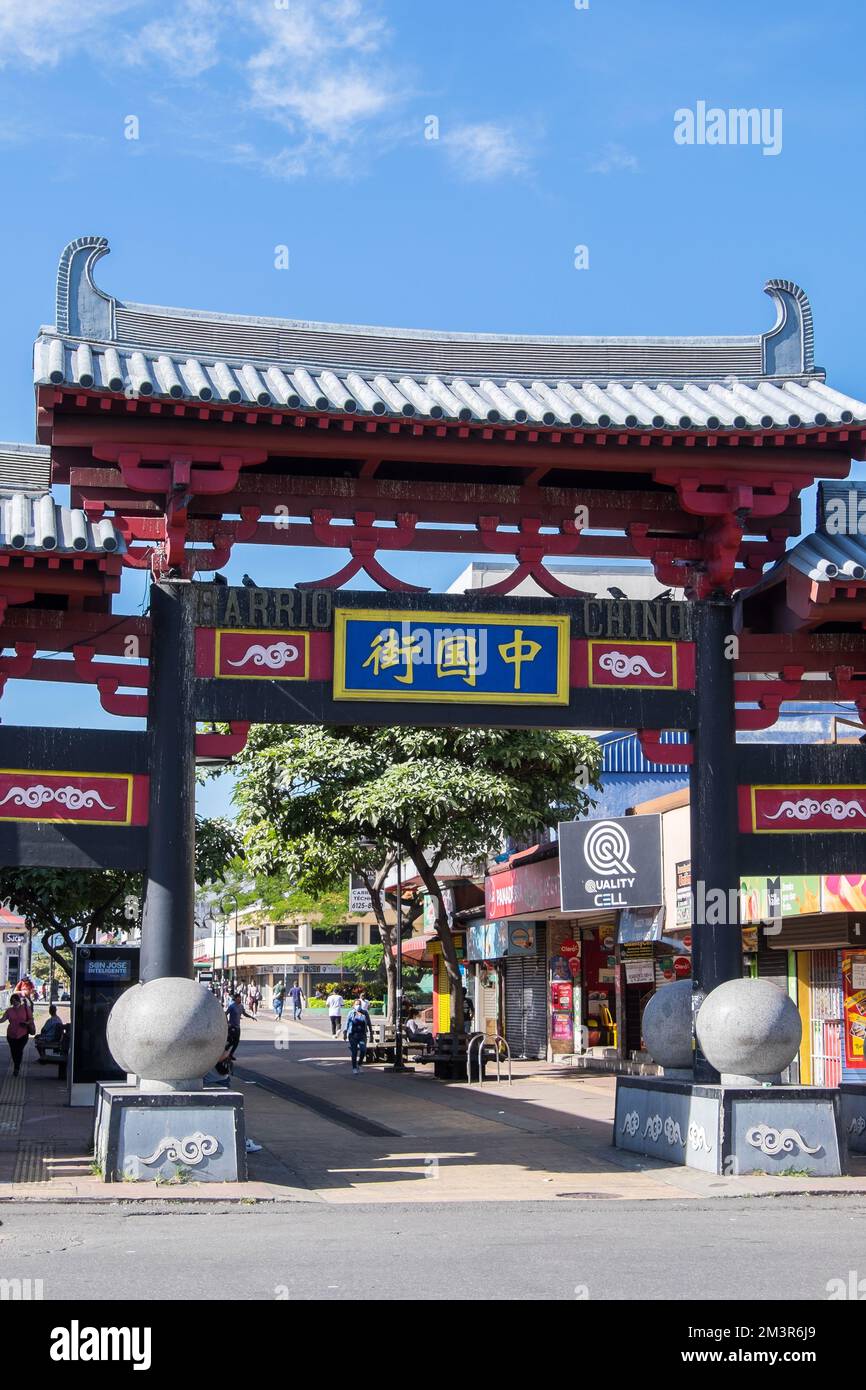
167,1030
749,1029
667,1025
116,1025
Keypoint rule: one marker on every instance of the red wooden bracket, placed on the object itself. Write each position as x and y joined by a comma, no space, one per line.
216,745
530,548
20,663
93,672
134,706
670,754
362,539
17,665
769,696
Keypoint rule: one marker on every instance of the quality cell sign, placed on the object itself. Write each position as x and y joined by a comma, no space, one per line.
610,863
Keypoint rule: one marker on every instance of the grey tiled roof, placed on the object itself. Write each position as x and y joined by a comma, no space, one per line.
829,557
29,523
25,467
759,382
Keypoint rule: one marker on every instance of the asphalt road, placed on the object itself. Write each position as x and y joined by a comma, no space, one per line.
758,1249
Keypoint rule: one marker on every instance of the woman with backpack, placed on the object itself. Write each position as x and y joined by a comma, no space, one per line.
355,1031
19,1017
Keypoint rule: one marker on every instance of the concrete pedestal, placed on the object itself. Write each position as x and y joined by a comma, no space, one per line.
853,1101
734,1131
196,1135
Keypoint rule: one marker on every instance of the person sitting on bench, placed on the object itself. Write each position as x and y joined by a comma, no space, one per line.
51,1035
415,1033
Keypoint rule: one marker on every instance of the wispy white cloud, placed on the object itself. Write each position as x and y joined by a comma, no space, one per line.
40,33
285,163
485,151
614,159
302,87
186,40
320,71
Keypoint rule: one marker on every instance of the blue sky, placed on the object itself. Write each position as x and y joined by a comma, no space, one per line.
264,123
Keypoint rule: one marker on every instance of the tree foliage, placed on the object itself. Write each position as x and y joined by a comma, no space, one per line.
317,803
71,905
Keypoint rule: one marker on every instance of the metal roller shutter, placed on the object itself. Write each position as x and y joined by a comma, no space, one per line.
526,1002
817,932
773,965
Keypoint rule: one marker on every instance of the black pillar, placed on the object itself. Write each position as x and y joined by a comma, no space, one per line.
716,943
169,889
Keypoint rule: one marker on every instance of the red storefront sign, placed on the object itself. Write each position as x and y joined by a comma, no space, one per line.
793,809
73,798
634,665
516,892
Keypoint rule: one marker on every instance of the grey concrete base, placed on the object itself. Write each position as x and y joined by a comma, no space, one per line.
853,1099
82,1093
733,1131
193,1136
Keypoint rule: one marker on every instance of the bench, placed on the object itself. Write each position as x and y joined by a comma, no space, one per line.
383,1048
56,1054
449,1057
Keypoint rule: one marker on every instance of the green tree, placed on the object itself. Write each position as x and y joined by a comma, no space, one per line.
318,803
73,905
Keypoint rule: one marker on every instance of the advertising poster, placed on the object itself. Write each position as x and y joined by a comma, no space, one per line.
561,996
844,893
639,972
561,1026
753,900
854,1008
794,895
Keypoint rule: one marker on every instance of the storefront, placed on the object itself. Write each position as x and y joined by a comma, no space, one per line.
557,969
805,933
425,949
14,948
507,961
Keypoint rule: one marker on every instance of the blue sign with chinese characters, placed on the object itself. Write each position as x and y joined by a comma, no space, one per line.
480,658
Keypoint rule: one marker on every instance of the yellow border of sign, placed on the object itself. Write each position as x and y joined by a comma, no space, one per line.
64,772
258,676
798,786
611,685
472,697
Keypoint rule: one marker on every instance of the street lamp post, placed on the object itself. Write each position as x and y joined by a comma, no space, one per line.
234,899
398,1023
398,1035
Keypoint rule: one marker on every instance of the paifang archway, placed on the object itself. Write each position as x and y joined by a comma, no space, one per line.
182,435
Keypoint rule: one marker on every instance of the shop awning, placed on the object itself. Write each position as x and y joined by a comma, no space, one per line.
417,945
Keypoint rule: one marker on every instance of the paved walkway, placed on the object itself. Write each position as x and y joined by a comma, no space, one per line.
330,1136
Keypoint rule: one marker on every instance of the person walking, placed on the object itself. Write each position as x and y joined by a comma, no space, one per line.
279,999
356,1031
335,1003
296,994
254,999
19,1018
235,1011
